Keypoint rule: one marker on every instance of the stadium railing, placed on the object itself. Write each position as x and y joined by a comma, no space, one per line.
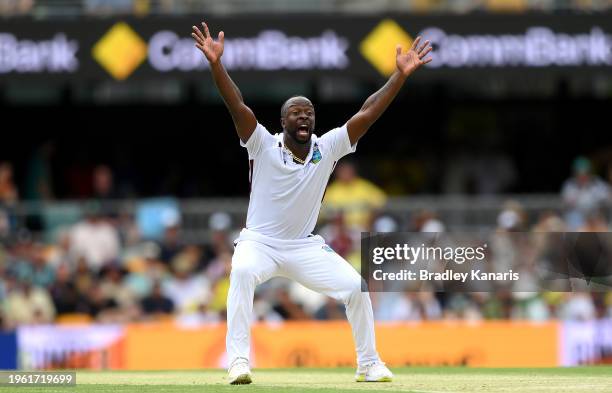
458,213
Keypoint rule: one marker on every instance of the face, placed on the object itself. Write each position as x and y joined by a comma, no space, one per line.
6,172
103,179
298,119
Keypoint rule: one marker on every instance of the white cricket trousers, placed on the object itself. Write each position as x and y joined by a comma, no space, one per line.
257,258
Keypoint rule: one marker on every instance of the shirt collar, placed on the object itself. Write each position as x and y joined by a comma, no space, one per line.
313,141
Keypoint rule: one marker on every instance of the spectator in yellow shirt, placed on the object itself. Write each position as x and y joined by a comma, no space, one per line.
357,198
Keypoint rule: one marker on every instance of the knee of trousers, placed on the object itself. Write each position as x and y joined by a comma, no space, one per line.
243,274
354,290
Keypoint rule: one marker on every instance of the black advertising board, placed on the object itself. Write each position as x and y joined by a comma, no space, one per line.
287,45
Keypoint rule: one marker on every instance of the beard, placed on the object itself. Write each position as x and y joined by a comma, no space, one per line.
293,135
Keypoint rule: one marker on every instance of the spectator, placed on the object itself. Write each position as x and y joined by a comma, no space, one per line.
583,193
414,306
171,244
8,198
220,267
201,315
156,304
529,306
462,306
99,306
113,287
42,274
16,7
128,230
512,218
287,308
3,274
262,309
38,185
578,307
95,240
59,254
608,304
28,305
28,263
427,221
340,239
311,301
549,221
219,244
331,310
145,269
218,272
64,292
103,187
385,223
177,288
594,222
358,198
8,190
104,190
83,278
220,288
186,290
220,225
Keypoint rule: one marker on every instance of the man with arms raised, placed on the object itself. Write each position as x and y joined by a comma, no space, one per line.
288,173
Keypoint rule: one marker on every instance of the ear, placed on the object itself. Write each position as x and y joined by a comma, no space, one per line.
282,123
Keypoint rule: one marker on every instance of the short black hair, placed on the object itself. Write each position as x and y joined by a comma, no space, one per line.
285,106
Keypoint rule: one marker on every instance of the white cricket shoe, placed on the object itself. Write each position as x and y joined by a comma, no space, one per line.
239,372
373,372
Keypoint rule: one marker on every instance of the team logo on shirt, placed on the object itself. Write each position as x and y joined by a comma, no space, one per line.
316,154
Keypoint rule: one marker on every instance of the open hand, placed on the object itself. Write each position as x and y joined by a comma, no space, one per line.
212,49
408,62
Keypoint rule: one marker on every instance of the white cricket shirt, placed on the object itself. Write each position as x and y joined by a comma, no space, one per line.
285,196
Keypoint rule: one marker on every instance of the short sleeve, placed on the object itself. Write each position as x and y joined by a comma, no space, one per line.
259,138
338,143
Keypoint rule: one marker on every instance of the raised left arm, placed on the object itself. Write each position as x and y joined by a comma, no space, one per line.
377,103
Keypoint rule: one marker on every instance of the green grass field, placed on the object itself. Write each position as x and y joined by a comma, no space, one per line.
418,380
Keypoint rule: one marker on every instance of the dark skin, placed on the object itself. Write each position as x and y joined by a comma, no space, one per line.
298,122
298,111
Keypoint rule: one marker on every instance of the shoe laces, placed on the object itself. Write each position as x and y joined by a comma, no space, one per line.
371,365
238,361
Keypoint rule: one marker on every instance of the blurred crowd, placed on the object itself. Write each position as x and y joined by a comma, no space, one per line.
144,7
107,267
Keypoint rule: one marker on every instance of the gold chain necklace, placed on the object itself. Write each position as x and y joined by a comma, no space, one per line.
297,159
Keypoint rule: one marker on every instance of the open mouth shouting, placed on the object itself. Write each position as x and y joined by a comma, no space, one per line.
303,130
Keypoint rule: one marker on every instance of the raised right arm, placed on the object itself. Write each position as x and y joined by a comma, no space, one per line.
243,117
